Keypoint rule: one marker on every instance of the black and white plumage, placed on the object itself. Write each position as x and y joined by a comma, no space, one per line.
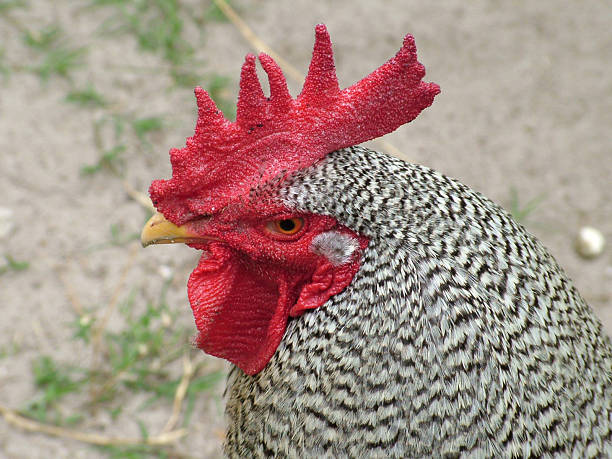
459,335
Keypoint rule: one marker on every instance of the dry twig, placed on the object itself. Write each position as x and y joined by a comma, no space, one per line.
181,392
99,327
140,198
390,148
17,420
256,42
70,293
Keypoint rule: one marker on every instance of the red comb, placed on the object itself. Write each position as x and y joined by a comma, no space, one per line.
224,159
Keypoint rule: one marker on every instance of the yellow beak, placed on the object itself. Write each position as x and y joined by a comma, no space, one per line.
158,230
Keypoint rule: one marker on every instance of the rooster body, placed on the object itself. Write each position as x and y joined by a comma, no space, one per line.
372,308
459,334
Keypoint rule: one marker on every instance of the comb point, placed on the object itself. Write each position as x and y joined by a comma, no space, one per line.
279,93
250,97
321,82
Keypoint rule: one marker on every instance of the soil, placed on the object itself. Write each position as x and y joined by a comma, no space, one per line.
526,105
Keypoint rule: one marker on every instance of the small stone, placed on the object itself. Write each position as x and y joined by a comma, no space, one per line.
166,320
165,271
590,242
85,320
143,349
7,222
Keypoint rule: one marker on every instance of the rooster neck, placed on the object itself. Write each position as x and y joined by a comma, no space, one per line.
459,333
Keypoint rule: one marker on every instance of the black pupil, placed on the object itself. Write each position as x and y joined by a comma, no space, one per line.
287,225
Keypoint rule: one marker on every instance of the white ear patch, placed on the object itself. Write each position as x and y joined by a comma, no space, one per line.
336,247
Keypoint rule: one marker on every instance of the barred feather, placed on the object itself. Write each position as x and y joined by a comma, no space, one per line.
460,334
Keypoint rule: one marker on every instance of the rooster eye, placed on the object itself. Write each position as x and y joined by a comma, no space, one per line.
286,226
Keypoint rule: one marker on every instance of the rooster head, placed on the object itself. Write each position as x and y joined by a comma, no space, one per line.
263,262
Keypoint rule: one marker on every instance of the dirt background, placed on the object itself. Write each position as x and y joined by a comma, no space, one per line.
526,104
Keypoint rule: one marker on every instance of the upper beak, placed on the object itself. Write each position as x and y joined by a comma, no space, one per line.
158,230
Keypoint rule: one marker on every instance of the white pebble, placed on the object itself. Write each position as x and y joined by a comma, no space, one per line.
166,320
85,320
165,271
7,222
143,349
590,242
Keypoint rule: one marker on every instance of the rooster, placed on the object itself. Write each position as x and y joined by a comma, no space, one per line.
372,308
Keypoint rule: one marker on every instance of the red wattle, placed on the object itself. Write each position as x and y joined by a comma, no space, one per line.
241,307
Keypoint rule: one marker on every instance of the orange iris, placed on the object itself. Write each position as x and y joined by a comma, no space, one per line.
286,226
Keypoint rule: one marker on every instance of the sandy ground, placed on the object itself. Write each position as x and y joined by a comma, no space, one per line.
526,104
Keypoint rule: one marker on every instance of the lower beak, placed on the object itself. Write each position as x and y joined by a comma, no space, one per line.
158,230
